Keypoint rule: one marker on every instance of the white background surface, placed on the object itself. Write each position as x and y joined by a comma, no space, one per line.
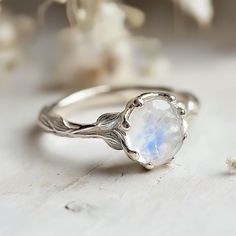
110,194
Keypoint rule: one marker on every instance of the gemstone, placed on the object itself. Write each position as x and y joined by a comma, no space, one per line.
156,131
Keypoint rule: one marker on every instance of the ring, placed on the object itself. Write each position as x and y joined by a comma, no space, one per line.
151,128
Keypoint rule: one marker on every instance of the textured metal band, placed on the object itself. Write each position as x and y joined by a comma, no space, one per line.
106,126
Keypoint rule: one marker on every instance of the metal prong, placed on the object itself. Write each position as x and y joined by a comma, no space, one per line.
181,111
133,155
172,98
125,124
138,102
185,136
148,166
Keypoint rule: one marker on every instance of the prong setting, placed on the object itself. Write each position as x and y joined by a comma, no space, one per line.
185,136
133,155
167,100
125,124
148,166
172,98
138,102
182,111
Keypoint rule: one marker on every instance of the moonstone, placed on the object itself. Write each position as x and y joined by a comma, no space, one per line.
156,131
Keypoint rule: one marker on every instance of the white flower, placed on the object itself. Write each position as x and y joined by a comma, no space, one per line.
201,10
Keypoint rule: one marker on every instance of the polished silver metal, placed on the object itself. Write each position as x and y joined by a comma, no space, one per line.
112,127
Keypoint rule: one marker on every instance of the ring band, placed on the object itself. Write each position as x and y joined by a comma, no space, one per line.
151,129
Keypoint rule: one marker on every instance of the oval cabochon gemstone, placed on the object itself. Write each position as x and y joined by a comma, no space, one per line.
156,132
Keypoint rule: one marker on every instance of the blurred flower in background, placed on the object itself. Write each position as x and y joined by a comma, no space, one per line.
201,10
14,30
99,47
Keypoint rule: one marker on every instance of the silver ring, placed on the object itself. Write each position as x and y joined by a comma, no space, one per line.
151,128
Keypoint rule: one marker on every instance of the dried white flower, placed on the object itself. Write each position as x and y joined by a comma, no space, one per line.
13,30
231,163
106,51
43,8
201,10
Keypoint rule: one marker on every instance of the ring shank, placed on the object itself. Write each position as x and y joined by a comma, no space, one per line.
51,118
